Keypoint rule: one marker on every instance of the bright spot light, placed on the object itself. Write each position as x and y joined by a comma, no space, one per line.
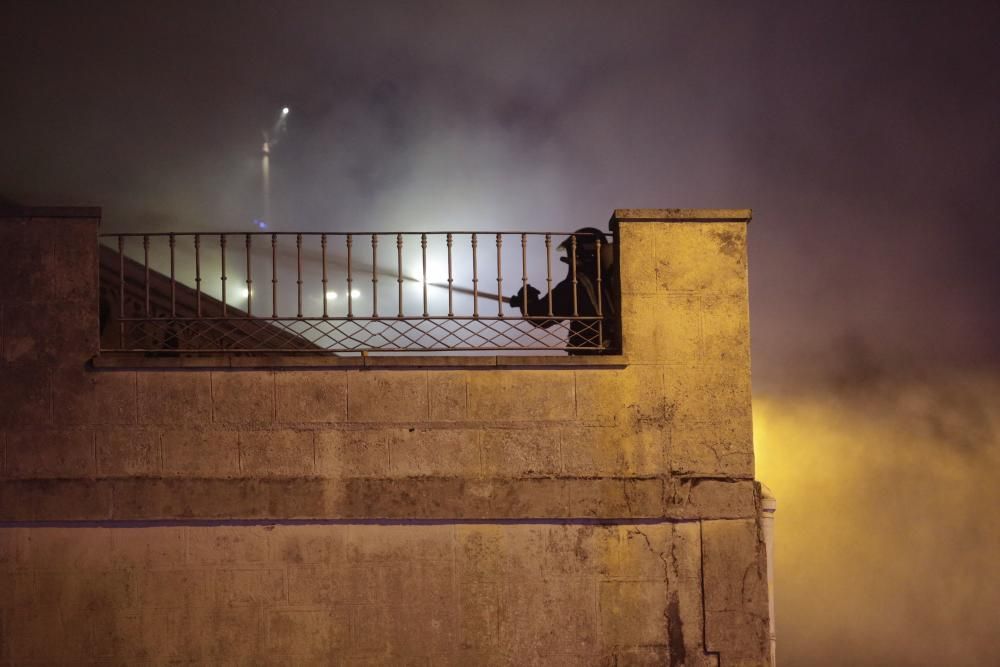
284,111
355,293
435,274
331,295
244,292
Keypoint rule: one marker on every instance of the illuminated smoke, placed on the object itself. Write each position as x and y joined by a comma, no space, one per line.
888,524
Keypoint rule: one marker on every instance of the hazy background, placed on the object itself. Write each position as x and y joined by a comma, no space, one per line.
865,136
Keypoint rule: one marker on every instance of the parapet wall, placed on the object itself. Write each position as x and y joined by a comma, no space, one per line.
587,511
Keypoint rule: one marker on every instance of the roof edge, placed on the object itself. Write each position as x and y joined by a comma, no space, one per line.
50,211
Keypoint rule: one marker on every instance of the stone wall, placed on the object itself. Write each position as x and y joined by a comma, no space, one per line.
384,511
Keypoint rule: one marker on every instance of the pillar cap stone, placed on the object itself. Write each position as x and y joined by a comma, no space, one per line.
50,211
681,215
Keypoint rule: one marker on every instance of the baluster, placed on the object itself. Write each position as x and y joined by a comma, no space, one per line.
350,279
423,259
197,273
548,268
173,279
374,275
572,263
222,246
597,249
322,246
451,310
399,270
499,276
600,322
121,289
298,274
524,273
475,278
145,252
249,281
274,276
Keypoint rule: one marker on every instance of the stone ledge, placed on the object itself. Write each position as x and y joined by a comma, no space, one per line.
128,361
416,498
681,215
312,361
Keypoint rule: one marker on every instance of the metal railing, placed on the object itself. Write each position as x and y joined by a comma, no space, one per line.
355,292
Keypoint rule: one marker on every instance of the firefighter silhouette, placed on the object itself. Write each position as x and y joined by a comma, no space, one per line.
584,335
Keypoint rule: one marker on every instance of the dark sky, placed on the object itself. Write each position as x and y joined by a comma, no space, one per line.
864,135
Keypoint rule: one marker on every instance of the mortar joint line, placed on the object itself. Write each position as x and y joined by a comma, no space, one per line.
701,578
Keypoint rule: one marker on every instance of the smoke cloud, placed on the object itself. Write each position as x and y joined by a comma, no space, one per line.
887,531
863,136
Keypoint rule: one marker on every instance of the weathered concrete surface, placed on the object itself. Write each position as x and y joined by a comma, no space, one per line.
735,584
615,508
454,594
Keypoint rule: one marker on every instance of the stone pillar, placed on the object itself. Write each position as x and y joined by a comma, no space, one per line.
48,285
685,318
48,305
685,330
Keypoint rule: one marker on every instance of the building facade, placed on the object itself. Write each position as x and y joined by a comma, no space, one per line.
486,510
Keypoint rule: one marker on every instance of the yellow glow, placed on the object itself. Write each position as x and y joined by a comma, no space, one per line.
886,520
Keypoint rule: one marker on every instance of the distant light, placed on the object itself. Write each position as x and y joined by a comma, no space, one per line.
260,223
355,293
331,295
284,111
244,292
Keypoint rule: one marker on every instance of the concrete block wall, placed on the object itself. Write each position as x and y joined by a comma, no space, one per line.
573,514
440,594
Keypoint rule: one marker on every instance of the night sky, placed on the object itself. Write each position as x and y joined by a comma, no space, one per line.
865,137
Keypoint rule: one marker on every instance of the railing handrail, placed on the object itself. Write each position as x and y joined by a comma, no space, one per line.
356,234
569,317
